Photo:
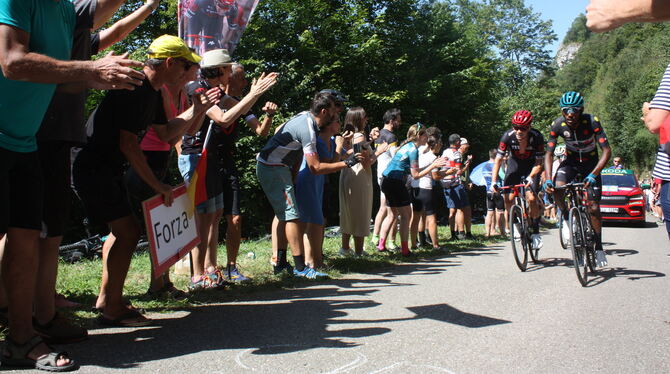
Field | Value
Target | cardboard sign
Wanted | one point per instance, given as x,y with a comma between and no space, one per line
171,233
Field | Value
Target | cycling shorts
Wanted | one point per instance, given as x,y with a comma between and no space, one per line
422,201
396,193
494,201
21,190
569,169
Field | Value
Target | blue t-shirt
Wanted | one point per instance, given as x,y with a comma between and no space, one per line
406,158
51,26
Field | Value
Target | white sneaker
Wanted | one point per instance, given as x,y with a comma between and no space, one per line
601,259
517,231
345,252
536,241
565,232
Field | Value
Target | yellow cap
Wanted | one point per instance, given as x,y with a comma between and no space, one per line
171,46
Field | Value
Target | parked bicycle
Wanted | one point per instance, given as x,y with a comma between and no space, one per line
89,248
519,228
582,239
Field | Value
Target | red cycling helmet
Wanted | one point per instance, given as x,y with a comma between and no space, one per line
522,118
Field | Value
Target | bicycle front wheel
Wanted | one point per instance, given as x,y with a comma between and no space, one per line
563,240
578,245
518,237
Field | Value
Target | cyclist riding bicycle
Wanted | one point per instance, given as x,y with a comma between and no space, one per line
526,147
581,132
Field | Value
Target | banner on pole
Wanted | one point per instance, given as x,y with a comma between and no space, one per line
214,24
171,232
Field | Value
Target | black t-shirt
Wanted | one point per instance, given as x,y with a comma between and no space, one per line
227,139
133,111
192,144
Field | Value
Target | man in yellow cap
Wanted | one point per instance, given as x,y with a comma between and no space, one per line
113,131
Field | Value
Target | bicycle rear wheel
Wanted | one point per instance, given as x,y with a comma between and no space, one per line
518,237
578,245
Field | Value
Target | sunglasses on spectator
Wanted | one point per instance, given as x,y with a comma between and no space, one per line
572,110
187,64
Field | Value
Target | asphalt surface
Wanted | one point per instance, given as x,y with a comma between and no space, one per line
468,312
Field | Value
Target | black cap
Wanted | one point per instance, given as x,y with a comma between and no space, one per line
454,138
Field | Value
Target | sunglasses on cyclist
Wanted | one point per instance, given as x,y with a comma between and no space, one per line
520,128
572,110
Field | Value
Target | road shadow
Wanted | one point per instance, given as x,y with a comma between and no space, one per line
449,314
605,275
621,252
548,263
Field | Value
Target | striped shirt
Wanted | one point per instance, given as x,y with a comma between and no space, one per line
662,101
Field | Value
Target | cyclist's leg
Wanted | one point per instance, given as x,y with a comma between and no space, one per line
564,175
594,193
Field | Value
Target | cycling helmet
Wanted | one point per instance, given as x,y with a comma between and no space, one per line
572,99
559,151
523,118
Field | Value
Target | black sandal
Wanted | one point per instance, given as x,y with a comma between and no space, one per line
16,355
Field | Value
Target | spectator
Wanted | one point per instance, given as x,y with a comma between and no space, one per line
455,194
215,69
226,142
392,121
114,128
32,59
282,153
495,205
404,163
63,127
617,164
309,194
604,15
467,210
422,191
158,153
356,187
656,117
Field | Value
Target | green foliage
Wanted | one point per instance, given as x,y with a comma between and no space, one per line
578,32
618,71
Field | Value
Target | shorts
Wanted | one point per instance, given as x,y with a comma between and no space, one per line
456,197
21,191
277,183
494,201
518,171
396,193
569,169
55,169
187,164
101,189
422,201
137,189
231,194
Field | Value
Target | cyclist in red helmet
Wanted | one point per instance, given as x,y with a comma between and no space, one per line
526,152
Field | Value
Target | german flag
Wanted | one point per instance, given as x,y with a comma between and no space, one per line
197,186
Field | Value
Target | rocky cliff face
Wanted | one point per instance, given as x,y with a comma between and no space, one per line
566,52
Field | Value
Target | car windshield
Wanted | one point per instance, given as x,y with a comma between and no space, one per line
621,180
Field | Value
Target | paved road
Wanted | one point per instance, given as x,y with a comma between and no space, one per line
470,312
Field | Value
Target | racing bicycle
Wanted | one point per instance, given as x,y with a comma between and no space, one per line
520,233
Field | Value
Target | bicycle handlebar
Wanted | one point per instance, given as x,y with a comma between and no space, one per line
570,185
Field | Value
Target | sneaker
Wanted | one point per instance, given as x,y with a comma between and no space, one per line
232,274
601,259
361,255
565,232
536,241
469,236
374,240
278,269
460,236
391,246
205,282
309,273
345,252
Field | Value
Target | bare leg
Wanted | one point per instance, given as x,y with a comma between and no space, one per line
211,255
345,241
489,222
20,262
199,254
106,247
359,243
294,237
414,228
381,215
431,222
467,219
45,292
233,237
275,236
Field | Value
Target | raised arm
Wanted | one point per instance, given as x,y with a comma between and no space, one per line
604,15
258,87
121,28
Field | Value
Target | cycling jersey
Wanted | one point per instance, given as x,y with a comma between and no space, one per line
405,159
296,137
580,143
534,148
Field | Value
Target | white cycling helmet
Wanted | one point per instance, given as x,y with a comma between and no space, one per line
559,151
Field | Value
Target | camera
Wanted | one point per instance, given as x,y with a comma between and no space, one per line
358,147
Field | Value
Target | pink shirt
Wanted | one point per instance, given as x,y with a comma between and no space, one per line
151,141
